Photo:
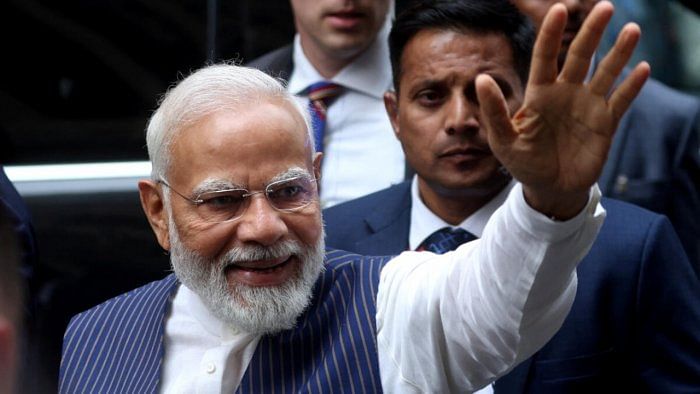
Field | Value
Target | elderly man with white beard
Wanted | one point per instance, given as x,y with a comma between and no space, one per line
257,305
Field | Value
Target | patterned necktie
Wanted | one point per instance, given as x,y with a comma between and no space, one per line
321,96
445,239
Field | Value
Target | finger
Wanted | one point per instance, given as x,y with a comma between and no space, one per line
578,59
493,111
623,96
612,64
543,68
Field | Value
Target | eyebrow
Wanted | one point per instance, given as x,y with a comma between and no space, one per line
214,185
290,173
426,83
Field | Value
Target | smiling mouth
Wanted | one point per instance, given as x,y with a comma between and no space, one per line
267,266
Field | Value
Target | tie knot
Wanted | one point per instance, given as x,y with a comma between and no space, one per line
446,239
324,91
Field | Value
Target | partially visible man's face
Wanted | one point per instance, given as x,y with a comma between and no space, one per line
255,272
578,11
339,29
436,117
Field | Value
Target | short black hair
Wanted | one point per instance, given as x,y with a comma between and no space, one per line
480,16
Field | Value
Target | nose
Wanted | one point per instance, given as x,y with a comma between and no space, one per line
260,223
461,115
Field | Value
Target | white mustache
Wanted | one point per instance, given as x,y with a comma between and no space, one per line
243,254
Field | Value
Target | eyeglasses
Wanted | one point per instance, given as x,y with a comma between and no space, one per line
286,195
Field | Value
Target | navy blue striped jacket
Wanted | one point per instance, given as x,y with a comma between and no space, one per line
117,347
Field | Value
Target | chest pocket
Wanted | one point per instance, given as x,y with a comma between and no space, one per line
650,194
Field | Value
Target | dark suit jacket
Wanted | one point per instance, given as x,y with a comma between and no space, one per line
654,161
278,63
635,323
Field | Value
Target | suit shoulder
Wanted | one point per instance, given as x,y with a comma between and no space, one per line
659,98
343,263
277,63
338,259
117,345
636,218
354,210
350,221
629,231
149,293
631,241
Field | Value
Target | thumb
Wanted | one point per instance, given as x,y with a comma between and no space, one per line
494,111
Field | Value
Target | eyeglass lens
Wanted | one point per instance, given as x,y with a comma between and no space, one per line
286,195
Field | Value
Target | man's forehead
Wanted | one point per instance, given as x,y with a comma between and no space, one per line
245,121
238,148
432,52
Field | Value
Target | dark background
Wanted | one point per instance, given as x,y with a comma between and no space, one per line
78,81
80,77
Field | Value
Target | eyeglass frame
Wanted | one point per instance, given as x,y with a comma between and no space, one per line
248,193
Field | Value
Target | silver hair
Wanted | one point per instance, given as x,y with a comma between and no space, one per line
210,89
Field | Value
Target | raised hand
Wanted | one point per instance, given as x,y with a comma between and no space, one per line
557,142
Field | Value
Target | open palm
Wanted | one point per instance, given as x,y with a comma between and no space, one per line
556,144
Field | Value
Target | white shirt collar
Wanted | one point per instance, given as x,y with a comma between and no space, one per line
199,312
424,222
370,73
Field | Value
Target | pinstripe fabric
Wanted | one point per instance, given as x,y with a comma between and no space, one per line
334,347
117,347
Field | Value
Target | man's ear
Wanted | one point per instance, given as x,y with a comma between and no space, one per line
391,103
154,208
318,156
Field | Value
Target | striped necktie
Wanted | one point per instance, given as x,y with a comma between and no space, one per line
321,96
445,240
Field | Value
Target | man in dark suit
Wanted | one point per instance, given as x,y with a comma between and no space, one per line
635,323
257,305
655,158
338,65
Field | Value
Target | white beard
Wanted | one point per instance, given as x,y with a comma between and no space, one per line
256,310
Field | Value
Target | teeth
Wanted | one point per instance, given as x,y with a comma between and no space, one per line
260,269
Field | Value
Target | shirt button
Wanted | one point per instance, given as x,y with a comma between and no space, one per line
211,368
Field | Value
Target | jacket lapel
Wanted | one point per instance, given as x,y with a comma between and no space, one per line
151,338
388,222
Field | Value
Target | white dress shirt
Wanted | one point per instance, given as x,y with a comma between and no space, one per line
424,222
445,323
361,153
